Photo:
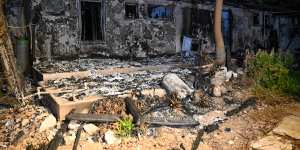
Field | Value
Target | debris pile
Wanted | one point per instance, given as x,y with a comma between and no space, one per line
116,84
33,123
85,64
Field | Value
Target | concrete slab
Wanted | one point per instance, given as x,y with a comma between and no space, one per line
272,143
60,107
289,126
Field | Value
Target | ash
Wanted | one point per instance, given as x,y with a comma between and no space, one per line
85,64
115,84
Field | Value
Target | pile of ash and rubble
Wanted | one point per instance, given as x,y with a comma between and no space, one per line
192,98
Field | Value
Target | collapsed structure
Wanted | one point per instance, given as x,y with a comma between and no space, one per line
75,46
144,28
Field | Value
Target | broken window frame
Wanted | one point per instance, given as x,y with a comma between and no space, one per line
136,16
103,21
170,18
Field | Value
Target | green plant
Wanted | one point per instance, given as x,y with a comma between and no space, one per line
273,72
125,127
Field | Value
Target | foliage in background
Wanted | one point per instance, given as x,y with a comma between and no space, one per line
273,75
125,127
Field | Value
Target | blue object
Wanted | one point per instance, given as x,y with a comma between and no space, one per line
186,47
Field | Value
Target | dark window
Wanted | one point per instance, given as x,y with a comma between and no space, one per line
91,21
256,21
131,11
160,12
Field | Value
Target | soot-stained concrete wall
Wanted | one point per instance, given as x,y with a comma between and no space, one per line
58,29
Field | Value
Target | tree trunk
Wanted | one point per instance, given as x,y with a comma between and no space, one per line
7,56
220,48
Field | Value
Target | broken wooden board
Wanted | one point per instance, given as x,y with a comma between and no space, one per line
60,107
105,72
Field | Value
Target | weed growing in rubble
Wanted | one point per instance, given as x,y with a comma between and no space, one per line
125,127
272,74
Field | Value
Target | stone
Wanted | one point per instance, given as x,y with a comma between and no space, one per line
173,84
289,126
217,91
110,138
69,137
48,123
231,142
272,143
90,129
51,134
73,125
24,122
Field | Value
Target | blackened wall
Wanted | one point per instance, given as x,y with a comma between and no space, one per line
56,26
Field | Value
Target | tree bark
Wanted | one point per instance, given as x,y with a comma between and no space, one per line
7,56
220,48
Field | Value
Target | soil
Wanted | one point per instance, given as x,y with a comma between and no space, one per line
235,133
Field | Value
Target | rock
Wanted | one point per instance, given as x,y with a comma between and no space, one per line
173,84
48,123
231,142
217,91
272,143
24,122
110,138
228,75
73,125
70,137
227,129
289,126
51,134
90,129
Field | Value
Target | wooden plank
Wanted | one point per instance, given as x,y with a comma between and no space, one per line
61,107
99,118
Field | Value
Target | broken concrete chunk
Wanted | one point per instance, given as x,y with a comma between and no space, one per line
173,84
24,122
217,91
90,129
48,123
73,125
70,137
289,126
271,143
110,138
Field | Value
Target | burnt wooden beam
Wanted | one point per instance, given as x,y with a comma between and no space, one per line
133,110
97,118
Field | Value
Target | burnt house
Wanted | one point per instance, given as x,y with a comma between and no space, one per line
142,28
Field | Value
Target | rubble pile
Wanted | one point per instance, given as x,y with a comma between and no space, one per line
115,84
85,64
184,103
29,122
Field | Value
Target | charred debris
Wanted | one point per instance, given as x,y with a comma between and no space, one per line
87,67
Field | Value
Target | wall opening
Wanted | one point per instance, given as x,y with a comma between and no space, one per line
160,12
256,20
131,11
91,21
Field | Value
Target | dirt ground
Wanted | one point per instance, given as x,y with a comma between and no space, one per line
236,133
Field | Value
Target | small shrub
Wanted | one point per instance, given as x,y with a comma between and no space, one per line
273,72
125,127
